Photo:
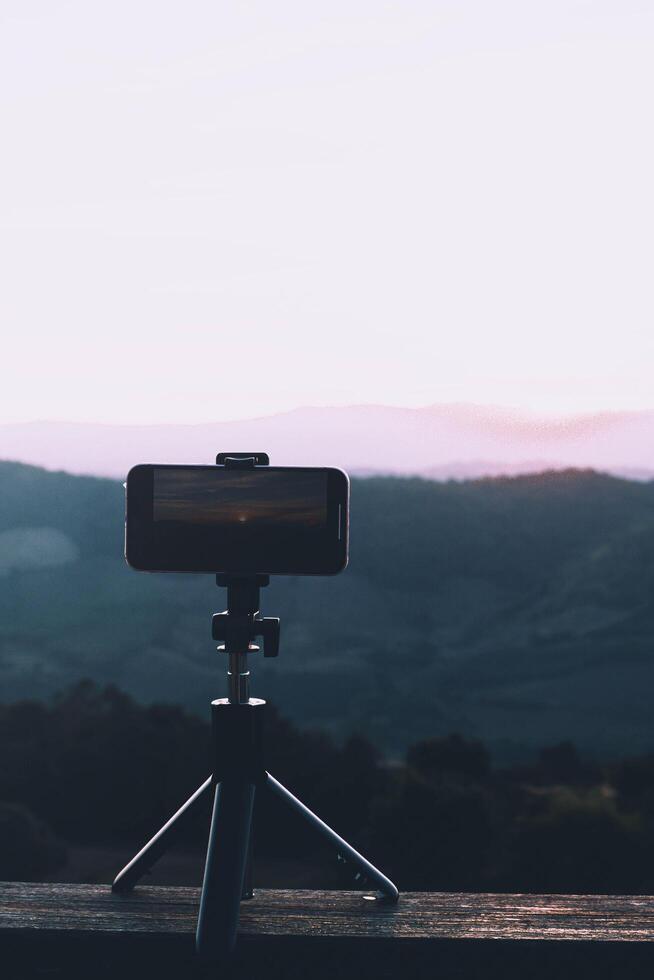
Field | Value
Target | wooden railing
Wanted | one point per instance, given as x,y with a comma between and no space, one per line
52,930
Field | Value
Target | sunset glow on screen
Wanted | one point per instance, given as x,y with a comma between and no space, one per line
249,499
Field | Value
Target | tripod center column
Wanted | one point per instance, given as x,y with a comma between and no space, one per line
238,676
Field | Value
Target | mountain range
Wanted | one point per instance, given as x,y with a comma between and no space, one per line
518,610
441,442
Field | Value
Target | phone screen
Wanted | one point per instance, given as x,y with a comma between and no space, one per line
276,520
291,498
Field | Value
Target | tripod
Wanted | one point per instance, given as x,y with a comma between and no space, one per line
238,774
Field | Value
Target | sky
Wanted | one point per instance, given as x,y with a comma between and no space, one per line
218,210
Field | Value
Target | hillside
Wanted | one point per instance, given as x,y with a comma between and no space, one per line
516,610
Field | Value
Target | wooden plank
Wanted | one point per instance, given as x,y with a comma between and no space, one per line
75,931
424,916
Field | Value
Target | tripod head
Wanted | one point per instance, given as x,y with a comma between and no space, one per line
241,623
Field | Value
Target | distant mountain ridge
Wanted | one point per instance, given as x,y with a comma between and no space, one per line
440,442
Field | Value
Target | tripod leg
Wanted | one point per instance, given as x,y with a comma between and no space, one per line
248,878
224,873
158,845
346,851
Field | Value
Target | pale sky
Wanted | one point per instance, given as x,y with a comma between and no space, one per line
214,210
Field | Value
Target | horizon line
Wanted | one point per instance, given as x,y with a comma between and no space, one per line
510,412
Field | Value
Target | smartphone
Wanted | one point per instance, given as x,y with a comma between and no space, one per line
277,520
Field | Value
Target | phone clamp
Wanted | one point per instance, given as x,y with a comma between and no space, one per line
238,773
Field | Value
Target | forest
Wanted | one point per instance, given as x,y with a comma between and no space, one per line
515,611
93,768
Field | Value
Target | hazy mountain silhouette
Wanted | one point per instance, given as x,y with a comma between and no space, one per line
516,610
441,441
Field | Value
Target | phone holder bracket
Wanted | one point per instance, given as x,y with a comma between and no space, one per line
242,461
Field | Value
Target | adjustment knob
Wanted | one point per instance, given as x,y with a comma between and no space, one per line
268,630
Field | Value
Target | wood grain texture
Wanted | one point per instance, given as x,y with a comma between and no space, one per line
419,916
72,932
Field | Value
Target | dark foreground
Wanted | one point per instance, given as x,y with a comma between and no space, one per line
75,930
